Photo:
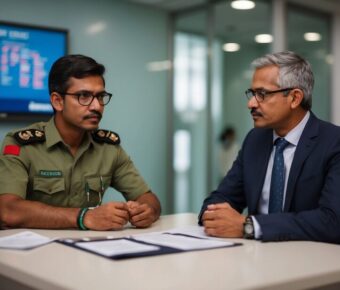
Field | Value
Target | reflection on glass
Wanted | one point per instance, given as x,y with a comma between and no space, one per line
190,73
231,71
182,151
190,117
231,50
182,164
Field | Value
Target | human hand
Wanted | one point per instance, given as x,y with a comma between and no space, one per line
109,216
142,215
221,220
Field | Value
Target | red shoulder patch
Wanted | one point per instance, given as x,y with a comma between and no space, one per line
12,150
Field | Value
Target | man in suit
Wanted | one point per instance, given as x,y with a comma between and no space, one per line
287,172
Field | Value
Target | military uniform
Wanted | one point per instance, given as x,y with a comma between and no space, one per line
36,164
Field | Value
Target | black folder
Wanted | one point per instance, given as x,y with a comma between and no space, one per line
81,244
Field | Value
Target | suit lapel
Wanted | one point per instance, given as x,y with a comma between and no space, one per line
261,164
305,146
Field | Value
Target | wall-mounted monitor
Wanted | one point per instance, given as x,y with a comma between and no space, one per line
26,55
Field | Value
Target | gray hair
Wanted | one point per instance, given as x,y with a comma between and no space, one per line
294,72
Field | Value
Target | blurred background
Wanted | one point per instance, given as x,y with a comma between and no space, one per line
178,70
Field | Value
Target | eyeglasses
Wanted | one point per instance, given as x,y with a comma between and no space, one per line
86,98
262,93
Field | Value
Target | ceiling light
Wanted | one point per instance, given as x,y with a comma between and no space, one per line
312,36
264,38
159,65
96,27
242,4
231,47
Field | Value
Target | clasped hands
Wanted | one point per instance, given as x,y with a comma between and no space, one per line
114,215
221,220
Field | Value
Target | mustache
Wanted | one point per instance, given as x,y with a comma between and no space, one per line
254,112
93,114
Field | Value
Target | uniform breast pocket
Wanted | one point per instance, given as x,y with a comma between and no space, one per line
96,186
49,186
98,183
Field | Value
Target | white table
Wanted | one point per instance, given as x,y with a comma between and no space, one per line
254,265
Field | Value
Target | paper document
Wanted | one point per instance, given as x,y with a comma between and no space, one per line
181,242
116,247
23,241
173,241
195,231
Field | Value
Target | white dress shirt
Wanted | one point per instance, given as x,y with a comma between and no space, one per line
293,138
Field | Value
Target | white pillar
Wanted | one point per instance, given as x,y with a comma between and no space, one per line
335,82
279,25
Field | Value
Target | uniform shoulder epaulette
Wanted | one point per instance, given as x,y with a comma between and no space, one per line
29,136
105,136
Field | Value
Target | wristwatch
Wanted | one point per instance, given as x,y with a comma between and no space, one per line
248,228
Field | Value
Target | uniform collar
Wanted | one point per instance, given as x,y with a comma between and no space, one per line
53,137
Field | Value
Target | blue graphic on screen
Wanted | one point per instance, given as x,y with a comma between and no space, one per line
26,56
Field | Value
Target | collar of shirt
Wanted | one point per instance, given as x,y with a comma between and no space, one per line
294,135
53,137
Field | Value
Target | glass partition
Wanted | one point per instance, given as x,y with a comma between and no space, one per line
309,34
190,111
235,45
214,46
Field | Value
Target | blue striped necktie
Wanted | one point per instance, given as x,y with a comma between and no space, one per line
277,183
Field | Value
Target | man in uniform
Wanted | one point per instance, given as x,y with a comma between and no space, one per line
53,174
287,172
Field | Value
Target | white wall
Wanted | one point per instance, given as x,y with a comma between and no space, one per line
133,36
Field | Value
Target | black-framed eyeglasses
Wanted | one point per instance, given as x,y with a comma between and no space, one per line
86,98
260,94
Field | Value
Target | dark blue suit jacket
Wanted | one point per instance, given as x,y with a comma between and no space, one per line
312,203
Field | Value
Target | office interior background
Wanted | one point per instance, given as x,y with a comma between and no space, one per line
178,70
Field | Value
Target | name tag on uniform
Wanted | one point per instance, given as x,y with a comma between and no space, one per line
50,173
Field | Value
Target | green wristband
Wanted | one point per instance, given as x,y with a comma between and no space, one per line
80,219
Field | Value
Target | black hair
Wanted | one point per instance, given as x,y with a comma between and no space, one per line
227,132
76,66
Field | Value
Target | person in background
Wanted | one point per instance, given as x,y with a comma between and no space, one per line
287,172
228,150
54,174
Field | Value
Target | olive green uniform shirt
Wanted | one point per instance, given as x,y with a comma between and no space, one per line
47,172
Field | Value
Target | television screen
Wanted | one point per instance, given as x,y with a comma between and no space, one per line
26,56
